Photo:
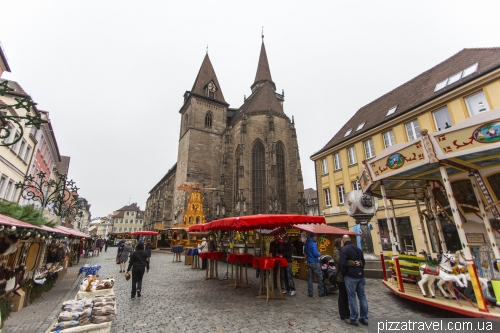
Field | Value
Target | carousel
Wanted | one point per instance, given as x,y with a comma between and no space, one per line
452,175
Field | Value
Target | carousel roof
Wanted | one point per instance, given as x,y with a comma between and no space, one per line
407,168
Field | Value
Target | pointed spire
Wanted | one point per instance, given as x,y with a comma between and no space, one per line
263,70
204,77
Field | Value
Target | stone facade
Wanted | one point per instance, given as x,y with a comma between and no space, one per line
244,161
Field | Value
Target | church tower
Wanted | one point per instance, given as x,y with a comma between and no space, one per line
203,120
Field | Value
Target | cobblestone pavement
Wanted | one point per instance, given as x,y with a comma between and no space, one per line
176,298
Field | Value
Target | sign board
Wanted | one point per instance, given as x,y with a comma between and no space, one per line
475,238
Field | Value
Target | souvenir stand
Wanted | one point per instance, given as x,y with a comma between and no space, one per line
259,222
451,175
326,237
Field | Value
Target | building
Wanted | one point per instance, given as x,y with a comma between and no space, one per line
17,141
458,88
311,197
241,161
127,219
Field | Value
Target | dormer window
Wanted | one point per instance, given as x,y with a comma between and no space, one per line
348,132
360,126
210,89
391,110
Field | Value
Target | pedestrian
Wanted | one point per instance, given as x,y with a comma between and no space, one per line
101,244
313,265
80,252
149,248
97,245
275,251
139,260
343,302
106,244
127,249
121,245
355,281
203,247
286,273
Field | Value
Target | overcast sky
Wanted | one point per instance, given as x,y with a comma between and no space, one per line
112,73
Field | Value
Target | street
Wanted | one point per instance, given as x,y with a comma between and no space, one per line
176,298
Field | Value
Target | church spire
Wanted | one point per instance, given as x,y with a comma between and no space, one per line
206,83
263,70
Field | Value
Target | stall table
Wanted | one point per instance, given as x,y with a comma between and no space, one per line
238,262
212,257
177,250
266,265
194,252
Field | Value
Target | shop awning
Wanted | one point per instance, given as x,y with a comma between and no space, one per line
49,229
262,221
12,222
72,232
145,232
323,229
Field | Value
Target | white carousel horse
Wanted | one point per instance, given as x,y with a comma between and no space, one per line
463,272
443,272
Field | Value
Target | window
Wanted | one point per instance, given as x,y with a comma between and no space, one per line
356,185
456,77
280,170
258,178
412,130
405,234
21,149
211,89
3,179
477,103
126,221
391,110
127,213
388,138
336,161
348,132
369,150
360,126
16,137
341,193
341,225
14,194
8,189
442,118
351,153
208,120
470,70
385,236
328,200
324,166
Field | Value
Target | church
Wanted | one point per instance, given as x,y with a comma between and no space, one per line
231,161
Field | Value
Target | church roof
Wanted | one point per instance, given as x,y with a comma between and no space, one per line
262,100
204,77
418,91
263,70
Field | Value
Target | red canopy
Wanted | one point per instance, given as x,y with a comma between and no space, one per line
262,221
12,222
153,233
196,227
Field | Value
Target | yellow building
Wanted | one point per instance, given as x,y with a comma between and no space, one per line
450,92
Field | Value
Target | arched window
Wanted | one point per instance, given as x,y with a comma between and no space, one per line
191,220
258,178
208,119
280,174
237,166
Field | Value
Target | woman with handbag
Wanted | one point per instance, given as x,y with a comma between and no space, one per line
124,256
139,262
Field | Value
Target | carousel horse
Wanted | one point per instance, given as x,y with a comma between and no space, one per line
463,272
443,272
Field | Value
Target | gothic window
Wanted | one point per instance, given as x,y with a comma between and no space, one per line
208,119
210,89
280,168
258,178
237,178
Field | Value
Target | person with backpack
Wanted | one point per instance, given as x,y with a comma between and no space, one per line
139,262
121,245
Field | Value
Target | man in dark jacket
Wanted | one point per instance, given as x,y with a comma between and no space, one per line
275,250
140,261
286,273
149,248
355,281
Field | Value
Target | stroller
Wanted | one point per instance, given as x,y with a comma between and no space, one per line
329,276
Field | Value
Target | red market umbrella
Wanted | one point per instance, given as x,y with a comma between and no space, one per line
262,221
196,227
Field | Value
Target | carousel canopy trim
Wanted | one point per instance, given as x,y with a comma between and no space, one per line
262,221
